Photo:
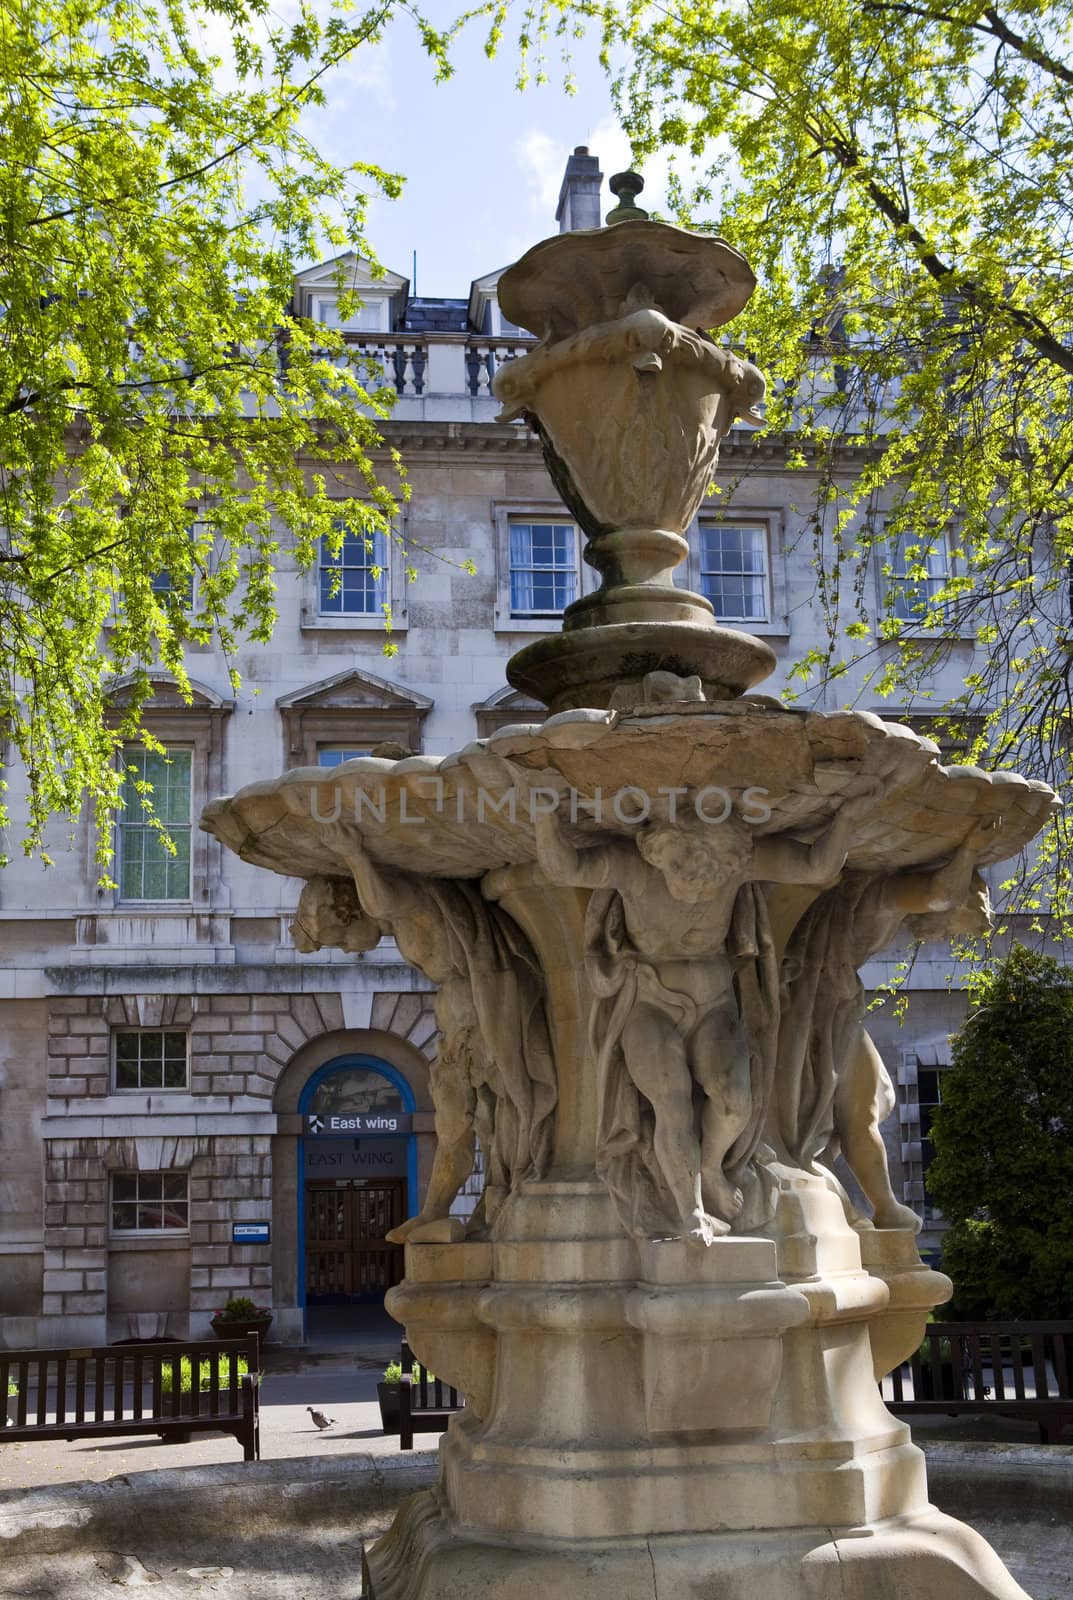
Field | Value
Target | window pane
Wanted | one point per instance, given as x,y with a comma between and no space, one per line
161,1203
350,575
152,1073
154,880
327,756
178,866
329,599
130,876
543,567
918,571
733,564
150,1059
356,1089
928,1085
520,544
147,871
155,770
164,584
173,804
126,1074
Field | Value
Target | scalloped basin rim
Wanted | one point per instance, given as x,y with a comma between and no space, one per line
425,815
702,281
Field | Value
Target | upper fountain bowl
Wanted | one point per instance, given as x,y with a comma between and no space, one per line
577,280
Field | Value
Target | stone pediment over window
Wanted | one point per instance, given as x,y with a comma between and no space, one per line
504,708
167,698
351,712
195,727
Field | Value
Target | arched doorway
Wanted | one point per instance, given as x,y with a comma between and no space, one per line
358,1170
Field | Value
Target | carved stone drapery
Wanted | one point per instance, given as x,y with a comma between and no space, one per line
668,1327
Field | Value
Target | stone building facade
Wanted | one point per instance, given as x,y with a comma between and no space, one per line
165,1051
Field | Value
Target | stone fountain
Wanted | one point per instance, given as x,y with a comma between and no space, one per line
645,919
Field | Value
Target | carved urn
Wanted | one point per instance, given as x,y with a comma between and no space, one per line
630,399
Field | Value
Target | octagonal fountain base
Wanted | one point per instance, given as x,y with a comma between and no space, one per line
927,1556
655,1418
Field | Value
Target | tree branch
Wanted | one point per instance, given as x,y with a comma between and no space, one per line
998,29
1034,330
296,97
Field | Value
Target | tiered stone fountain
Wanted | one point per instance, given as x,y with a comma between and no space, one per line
645,918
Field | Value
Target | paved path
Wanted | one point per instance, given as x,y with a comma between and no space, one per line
245,1552
344,1387
341,1384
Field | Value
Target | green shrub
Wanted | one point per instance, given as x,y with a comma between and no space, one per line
393,1373
241,1309
186,1376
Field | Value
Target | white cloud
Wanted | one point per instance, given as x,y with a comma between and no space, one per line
608,143
542,161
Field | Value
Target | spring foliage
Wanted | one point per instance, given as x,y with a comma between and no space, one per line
1003,1167
166,420
899,173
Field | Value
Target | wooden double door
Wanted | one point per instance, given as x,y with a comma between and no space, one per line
347,1255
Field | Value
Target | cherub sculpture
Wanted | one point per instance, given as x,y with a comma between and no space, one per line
833,1091
493,1078
675,911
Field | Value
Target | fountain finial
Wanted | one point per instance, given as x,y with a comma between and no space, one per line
630,402
626,186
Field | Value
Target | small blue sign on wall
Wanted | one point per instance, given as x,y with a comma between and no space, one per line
249,1233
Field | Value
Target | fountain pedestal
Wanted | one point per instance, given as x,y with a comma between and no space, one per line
664,1418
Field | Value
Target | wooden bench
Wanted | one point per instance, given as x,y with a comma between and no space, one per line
1007,1369
120,1389
426,1404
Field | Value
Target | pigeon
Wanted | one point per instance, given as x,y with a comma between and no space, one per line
320,1419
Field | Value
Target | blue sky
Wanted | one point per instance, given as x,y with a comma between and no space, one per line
483,161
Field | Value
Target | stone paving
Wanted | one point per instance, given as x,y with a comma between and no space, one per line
294,1532
340,1383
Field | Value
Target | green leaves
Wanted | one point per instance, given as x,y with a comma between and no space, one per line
160,398
1003,1136
899,173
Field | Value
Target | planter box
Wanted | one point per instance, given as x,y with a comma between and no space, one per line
388,1396
241,1330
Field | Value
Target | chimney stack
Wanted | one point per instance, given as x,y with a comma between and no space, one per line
579,197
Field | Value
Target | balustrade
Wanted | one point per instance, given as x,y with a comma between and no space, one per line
465,366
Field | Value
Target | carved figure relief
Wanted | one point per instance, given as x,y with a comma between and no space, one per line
494,1076
832,1090
683,1027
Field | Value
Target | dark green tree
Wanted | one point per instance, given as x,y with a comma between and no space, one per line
1003,1136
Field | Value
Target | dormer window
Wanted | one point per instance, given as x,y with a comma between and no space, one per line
367,318
380,296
